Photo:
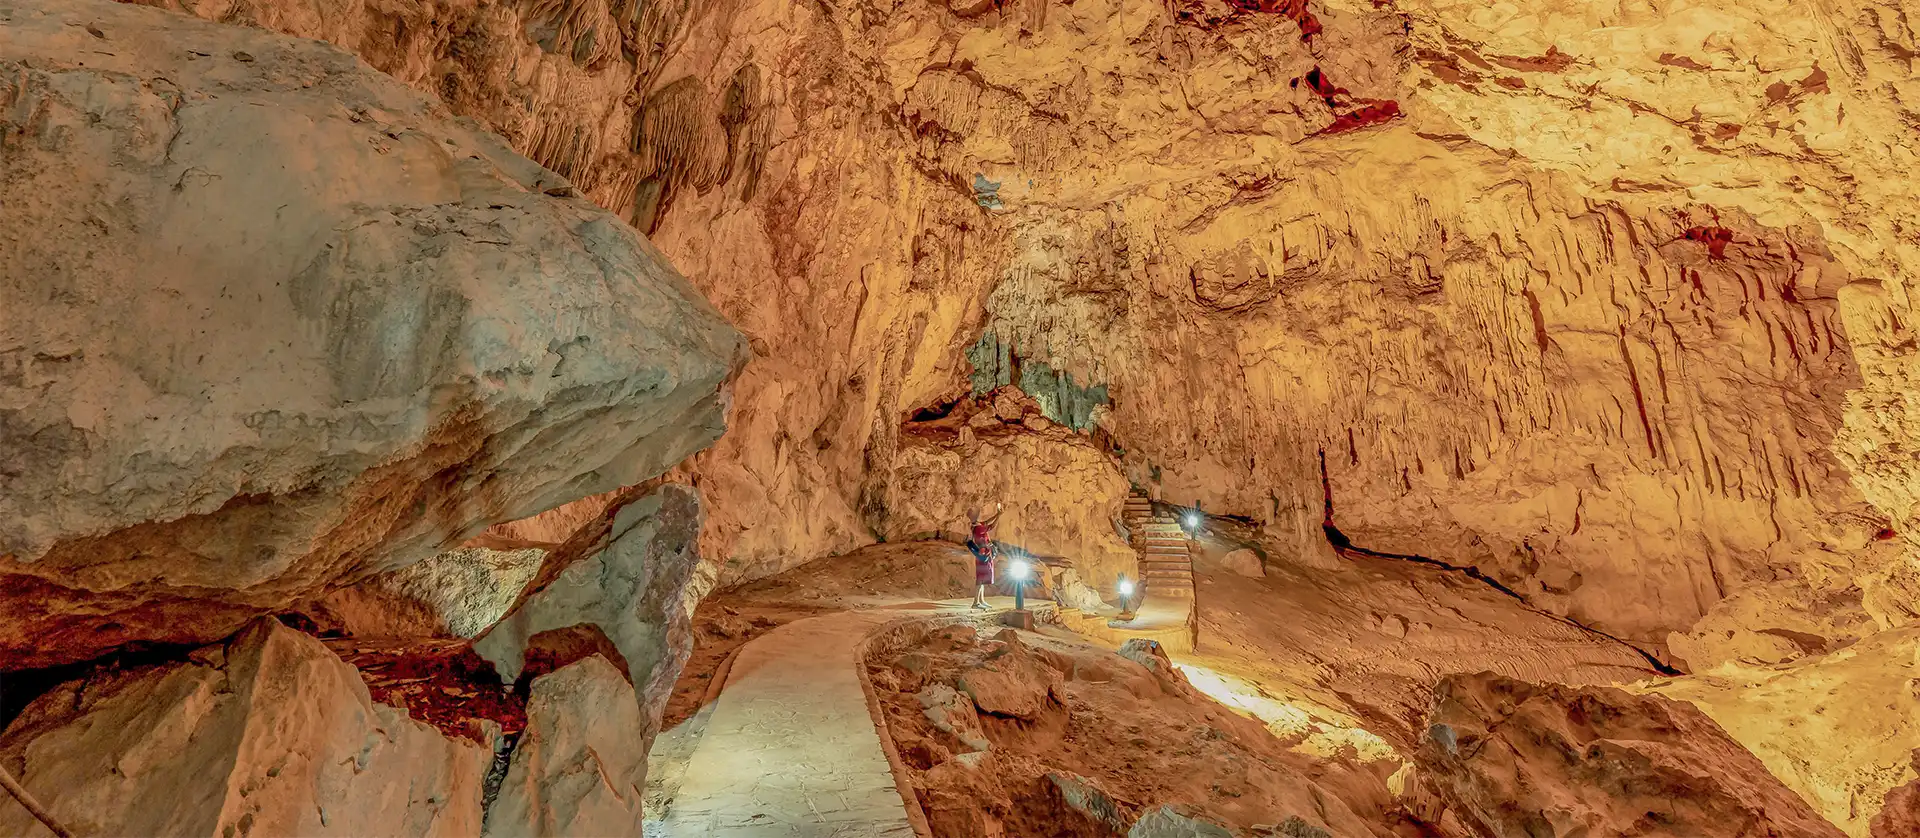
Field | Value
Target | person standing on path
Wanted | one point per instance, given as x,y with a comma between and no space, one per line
980,541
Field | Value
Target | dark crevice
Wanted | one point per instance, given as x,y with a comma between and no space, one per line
496,775
940,409
20,687
1344,545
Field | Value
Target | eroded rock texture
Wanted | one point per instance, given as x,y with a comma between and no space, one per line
622,585
1060,493
275,322
267,734
1608,302
1838,728
1512,758
578,769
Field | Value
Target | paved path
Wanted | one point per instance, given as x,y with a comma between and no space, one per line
790,750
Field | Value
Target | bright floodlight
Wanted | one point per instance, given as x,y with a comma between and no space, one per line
1019,569
1193,519
1126,587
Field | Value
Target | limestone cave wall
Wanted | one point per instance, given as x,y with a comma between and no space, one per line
1608,301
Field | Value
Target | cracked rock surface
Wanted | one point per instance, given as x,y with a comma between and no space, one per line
275,322
1609,303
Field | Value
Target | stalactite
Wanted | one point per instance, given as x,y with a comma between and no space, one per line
746,114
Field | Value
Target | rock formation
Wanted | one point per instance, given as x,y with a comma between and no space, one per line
631,589
1061,493
1244,562
576,770
291,324
1838,728
1603,309
1513,758
268,734
1646,380
1900,812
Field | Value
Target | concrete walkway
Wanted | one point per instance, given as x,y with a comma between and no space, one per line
790,749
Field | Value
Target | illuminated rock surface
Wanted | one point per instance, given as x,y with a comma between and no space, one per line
1519,759
268,734
1618,318
1601,310
275,322
1838,728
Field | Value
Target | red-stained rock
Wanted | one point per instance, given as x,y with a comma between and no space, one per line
1899,815
268,734
1715,238
1015,682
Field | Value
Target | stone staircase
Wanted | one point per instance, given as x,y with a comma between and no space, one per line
1164,610
1166,555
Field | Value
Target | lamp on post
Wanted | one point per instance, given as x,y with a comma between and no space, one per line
1019,570
1125,588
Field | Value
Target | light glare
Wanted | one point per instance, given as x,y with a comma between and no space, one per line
1019,569
1126,587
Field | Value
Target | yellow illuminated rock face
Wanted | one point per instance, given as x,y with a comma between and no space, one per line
1839,729
1608,300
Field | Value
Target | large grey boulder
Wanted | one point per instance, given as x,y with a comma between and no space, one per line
268,734
632,590
271,322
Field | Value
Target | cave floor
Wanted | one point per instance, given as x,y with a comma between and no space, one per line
1337,663
788,746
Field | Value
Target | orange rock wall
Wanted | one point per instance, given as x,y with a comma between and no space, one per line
1608,303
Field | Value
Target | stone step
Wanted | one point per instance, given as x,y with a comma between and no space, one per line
1166,540
1175,550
